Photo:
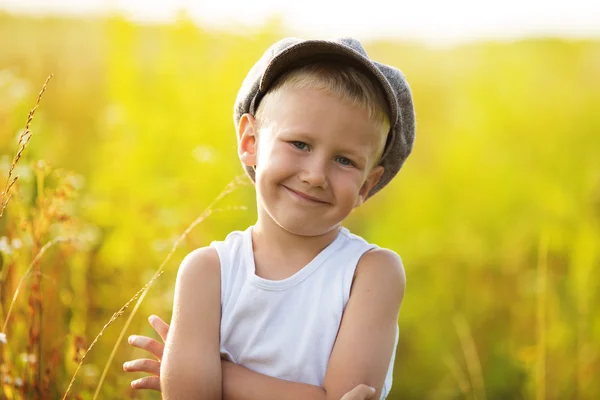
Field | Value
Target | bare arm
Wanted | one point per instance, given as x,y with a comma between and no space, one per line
363,348
191,365
240,383
365,341
360,356
229,372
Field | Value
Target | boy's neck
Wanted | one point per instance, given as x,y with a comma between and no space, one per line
278,253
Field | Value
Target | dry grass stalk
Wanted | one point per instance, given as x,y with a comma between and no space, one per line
34,298
542,267
35,260
23,140
110,321
459,376
471,358
198,220
237,182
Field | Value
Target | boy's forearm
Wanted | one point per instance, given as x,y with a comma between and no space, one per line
240,383
190,381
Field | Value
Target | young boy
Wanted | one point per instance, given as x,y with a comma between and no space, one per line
297,307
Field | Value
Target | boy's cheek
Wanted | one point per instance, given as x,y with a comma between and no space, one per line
282,157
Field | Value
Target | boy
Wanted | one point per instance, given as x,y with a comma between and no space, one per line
296,306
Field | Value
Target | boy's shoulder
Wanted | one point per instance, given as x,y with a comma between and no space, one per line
209,257
200,263
382,268
206,254
378,263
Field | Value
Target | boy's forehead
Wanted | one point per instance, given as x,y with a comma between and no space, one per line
312,99
313,114
306,103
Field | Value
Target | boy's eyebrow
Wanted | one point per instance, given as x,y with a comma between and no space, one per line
297,132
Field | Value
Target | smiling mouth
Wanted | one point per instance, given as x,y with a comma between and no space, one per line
305,196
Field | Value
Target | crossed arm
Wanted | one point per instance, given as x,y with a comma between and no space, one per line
156,349
360,356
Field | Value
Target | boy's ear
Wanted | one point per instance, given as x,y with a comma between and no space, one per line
247,140
374,177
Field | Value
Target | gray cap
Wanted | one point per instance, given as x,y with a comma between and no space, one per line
291,53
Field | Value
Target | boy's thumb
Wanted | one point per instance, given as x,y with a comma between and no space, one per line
360,392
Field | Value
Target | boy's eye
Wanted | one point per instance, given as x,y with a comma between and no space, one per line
344,161
300,145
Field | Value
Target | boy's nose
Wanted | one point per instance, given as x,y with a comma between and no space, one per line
314,173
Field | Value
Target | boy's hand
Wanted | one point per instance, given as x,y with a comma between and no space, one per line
147,365
361,392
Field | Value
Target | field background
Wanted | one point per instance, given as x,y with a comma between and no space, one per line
496,214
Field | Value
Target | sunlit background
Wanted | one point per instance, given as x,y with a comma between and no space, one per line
496,214
431,21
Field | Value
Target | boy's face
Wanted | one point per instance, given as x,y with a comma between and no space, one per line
314,158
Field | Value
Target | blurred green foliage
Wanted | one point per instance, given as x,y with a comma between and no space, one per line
496,214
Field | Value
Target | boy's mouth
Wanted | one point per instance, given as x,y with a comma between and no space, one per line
305,196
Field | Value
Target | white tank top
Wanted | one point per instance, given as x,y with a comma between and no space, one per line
287,328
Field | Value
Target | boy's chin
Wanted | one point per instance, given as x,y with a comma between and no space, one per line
300,228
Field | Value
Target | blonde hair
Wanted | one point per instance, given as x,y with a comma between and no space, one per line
344,81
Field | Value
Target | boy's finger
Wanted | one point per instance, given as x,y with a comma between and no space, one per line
147,382
360,392
142,365
150,345
160,326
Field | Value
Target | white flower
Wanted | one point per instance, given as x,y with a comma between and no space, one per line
17,243
28,358
18,382
5,246
2,338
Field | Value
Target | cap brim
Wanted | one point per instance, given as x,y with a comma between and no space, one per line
315,50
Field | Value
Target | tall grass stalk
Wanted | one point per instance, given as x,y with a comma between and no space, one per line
458,374
34,298
158,272
237,182
471,358
110,321
28,271
542,283
23,141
